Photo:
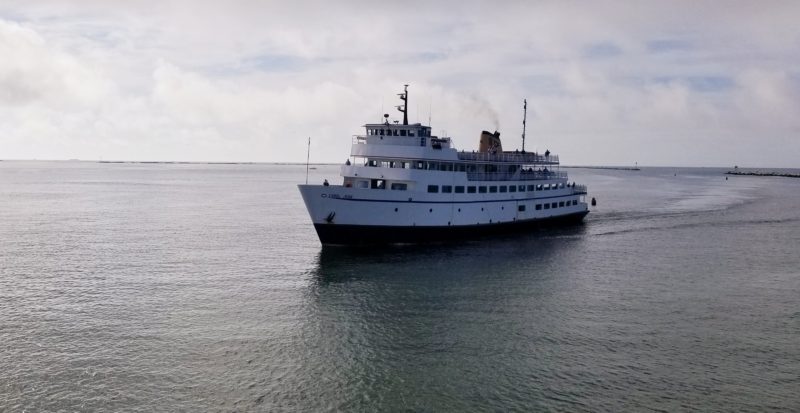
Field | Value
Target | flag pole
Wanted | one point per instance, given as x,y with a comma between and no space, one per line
308,156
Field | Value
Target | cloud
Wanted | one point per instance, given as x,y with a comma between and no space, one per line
31,72
246,80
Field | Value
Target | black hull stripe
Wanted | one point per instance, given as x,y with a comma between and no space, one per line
453,201
337,234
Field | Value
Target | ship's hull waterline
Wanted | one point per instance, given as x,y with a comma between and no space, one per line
353,235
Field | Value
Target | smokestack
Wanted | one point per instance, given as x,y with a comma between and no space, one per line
490,142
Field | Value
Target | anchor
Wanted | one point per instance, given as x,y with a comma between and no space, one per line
329,218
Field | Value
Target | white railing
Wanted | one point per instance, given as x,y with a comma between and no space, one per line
513,176
511,157
541,174
401,140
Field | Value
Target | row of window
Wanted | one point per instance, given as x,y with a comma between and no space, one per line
554,205
399,132
450,166
424,165
492,189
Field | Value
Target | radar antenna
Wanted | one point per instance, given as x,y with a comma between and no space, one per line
404,107
524,121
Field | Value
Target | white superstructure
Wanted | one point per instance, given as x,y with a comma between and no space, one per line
402,184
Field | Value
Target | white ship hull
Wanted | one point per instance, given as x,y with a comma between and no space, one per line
344,216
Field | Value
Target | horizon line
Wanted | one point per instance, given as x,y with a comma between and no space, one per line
176,162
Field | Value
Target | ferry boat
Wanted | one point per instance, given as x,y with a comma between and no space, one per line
402,184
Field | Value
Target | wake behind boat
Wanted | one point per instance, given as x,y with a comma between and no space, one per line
402,184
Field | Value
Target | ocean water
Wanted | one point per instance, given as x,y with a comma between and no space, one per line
190,287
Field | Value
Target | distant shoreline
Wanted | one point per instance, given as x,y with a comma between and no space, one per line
618,168
615,168
763,173
216,163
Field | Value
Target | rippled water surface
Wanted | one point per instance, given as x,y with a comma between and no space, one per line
154,287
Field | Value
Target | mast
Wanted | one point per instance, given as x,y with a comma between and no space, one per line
404,108
524,120
308,156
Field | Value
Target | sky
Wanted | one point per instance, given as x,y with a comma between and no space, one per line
662,83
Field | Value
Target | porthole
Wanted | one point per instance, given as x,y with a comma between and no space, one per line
395,210
430,210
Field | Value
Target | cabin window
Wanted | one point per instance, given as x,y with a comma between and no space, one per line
443,167
378,184
512,188
433,188
546,206
574,202
403,132
522,188
503,188
493,189
421,141
362,184
561,204
482,189
538,207
470,189
521,208
538,187
411,133
447,189
462,167
546,187
561,185
555,204
396,186
459,189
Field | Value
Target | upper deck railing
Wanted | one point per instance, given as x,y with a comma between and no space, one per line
579,189
515,176
402,140
525,158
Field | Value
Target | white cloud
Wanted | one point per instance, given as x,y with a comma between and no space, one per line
607,82
31,72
